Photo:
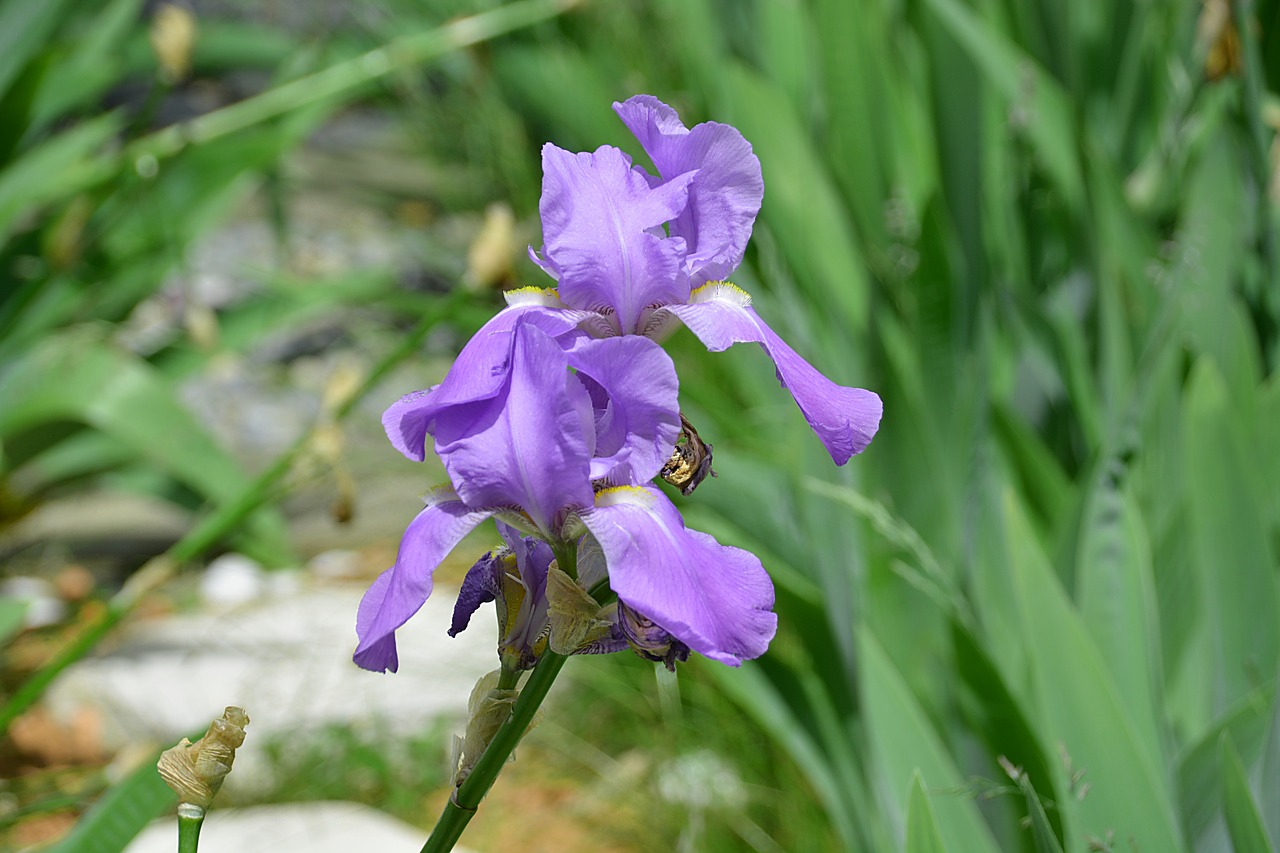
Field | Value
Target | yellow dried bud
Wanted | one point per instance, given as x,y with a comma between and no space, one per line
488,708
195,771
173,33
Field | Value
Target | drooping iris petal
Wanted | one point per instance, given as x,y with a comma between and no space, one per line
477,374
525,446
638,418
724,197
716,599
845,419
597,216
479,586
400,591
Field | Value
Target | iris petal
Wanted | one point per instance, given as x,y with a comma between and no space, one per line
477,374
524,446
401,590
598,219
716,599
639,419
845,419
724,196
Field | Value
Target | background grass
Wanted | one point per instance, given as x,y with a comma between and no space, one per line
1039,613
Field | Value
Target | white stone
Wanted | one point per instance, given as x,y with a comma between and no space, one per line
327,827
232,579
287,662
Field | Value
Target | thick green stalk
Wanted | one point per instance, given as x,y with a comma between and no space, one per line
466,799
209,531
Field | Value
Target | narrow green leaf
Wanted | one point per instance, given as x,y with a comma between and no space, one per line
24,30
78,377
121,813
1243,820
1030,93
1200,770
55,169
801,209
1229,541
905,743
1081,712
1116,595
923,835
757,697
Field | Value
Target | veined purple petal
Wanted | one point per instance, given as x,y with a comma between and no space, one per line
400,591
845,419
597,216
639,421
716,599
525,445
477,374
724,197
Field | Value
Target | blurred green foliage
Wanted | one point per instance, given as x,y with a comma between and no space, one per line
1041,611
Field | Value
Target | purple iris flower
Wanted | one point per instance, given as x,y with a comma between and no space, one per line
552,432
637,254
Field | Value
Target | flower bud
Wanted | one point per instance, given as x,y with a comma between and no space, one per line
195,771
173,33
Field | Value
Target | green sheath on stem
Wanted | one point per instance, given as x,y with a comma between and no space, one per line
190,818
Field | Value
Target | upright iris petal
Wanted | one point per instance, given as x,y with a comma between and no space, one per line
726,191
598,218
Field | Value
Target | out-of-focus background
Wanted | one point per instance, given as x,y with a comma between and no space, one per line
1039,613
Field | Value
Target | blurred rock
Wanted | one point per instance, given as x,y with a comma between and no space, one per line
232,579
44,605
331,827
287,661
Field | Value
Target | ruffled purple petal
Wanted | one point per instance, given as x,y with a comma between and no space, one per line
724,197
524,446
845,419
716,599
400,591
597,215
638,413
477,374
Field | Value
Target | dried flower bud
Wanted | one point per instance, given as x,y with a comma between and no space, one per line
574,615
195,771
487,709
690,462
173,33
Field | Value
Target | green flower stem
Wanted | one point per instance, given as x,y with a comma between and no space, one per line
466,799
190,819
214,527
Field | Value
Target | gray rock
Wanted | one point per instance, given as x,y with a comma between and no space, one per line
292,828
287,662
